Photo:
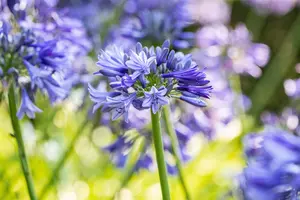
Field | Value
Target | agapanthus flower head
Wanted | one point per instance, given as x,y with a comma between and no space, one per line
154,24
231,49
69,32
31,63
148,78
278,7
273,170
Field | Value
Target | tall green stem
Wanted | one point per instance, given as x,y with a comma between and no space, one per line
63,160
160,158
175,146
21,148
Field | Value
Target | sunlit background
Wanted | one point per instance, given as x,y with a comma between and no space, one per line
66,155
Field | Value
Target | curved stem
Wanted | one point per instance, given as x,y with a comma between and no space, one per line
63,160
21,148
134,156
175,145
160,158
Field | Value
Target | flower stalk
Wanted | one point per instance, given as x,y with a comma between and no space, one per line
20,143
159,152
175,146
134,156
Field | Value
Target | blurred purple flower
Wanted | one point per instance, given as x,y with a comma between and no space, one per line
273,170
210,12
278,7
155,24
289,119
292,88
39,62
120,148
70,33
27,106
231,49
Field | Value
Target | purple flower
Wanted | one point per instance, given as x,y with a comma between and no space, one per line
123,82
154,99
141,65
279,7
193,99
292,88
273,170
117,149
139,120
119,105
27,106
289,119
37,64
165,73
44,79
69,32
99,97
112,61
158,23
231,49
210,12
50,56
162,53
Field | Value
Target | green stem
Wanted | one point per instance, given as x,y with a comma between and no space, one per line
160,158
21,148
63,160
175,146
255,24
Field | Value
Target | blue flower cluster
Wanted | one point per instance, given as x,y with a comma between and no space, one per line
231,49
147,78
156,21
33,64
273,170
39,55
140,121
